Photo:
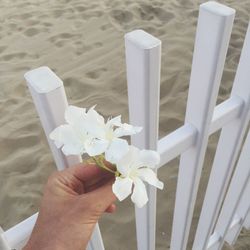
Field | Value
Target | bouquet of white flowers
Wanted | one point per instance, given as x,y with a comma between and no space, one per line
87,132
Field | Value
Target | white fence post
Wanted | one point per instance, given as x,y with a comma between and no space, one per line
212,39
227,151
50,100
143,55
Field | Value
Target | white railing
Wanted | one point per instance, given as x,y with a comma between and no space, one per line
226,207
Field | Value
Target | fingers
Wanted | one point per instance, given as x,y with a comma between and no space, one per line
79,179
97,186
102,198
87,172
94,184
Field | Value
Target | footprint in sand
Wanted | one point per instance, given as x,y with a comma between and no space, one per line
95,74
60,44
9,57
163,15
32,22
60,39
78,89
150,29
98,44
81,8
25,16
57,13
60,36
47,24
69,81
31,32
105,26
148,12
92,14
2,48
122,16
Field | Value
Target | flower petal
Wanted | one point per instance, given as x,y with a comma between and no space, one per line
122,187
62,134
127,162
66,136
150,177
94,124
95,146
73,114
94,115
55,135
116,121
139,196
149,158
126,129
73,149
116,150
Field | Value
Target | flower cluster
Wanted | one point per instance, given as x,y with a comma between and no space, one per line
87,132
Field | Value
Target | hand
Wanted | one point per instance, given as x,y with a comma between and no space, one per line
73,201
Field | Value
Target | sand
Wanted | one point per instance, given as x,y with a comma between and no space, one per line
82,41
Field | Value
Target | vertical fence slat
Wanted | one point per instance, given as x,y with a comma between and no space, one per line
236,189
212,39
50,100
226,154
143,53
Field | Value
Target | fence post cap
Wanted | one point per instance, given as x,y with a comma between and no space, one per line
142,39
217,8
43,79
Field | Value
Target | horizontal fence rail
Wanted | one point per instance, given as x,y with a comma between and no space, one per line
184,137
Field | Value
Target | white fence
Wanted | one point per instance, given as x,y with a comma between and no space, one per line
226,207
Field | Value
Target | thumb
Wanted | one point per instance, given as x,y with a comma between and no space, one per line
101,198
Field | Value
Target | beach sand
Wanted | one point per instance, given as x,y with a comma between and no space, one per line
82,41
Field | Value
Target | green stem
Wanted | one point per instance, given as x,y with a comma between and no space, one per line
102,165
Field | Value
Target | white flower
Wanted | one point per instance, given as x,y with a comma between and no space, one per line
135,167
107,134
71,136
87,132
